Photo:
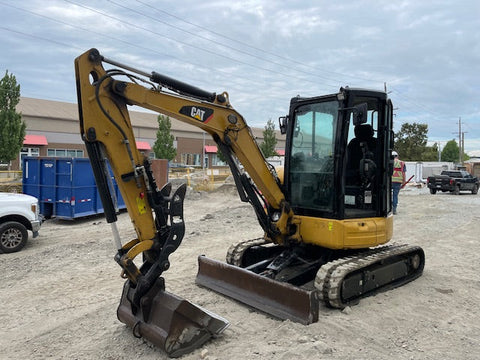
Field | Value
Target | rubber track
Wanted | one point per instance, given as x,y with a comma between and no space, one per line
330,276
236,251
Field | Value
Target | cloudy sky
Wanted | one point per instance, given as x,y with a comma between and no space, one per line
262,53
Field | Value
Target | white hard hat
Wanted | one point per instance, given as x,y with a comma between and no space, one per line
394,153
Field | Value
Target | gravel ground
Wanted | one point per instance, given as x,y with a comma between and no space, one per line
59,295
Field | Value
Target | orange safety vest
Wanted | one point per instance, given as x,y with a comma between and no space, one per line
398,167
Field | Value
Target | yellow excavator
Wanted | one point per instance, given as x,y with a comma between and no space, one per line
326,216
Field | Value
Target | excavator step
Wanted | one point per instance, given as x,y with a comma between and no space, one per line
173,324
281,300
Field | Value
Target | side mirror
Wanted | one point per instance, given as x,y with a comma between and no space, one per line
360,113
282,122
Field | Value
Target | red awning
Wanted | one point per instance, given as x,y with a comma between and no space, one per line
280,152
143,145
35,140
210,149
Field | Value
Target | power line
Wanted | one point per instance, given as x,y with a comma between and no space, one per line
250,46
415,105
106,36
231,39
191,45
37,37
82,49
175,40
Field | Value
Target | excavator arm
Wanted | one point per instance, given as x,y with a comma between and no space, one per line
168,321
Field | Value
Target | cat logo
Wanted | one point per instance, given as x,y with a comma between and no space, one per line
199,113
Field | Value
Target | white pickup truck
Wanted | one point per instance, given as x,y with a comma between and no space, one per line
18,214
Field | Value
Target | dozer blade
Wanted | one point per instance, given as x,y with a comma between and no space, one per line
173,324
281,300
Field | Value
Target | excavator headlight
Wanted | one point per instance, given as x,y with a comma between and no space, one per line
232,119
275,216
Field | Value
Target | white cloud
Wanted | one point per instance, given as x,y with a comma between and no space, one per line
428,53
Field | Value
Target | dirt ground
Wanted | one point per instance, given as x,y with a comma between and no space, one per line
59,295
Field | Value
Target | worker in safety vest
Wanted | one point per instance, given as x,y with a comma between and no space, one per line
398,179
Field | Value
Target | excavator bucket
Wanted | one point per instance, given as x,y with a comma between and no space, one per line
173,324
281,300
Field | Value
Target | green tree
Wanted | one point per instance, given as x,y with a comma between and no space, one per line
12,127
411,141
431,153
450,151
220,156
163,147
269,140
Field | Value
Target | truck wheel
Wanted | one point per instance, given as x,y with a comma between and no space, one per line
457,190
13,237
433,191
475,189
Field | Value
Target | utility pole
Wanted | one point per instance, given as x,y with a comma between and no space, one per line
461,141
463,144
460,155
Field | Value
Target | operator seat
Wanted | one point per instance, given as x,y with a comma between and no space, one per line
363,145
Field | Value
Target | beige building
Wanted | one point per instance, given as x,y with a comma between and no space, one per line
53,130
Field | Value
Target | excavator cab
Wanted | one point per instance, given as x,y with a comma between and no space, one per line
337,155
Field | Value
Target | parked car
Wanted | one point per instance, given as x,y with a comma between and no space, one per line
19,213
453,181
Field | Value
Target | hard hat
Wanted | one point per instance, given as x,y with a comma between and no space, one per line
394,153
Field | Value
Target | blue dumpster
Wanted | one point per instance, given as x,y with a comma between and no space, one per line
64,187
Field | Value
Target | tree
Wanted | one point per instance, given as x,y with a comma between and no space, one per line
431,153
163,147
450,151
411,142
220,156
269,140
12,127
